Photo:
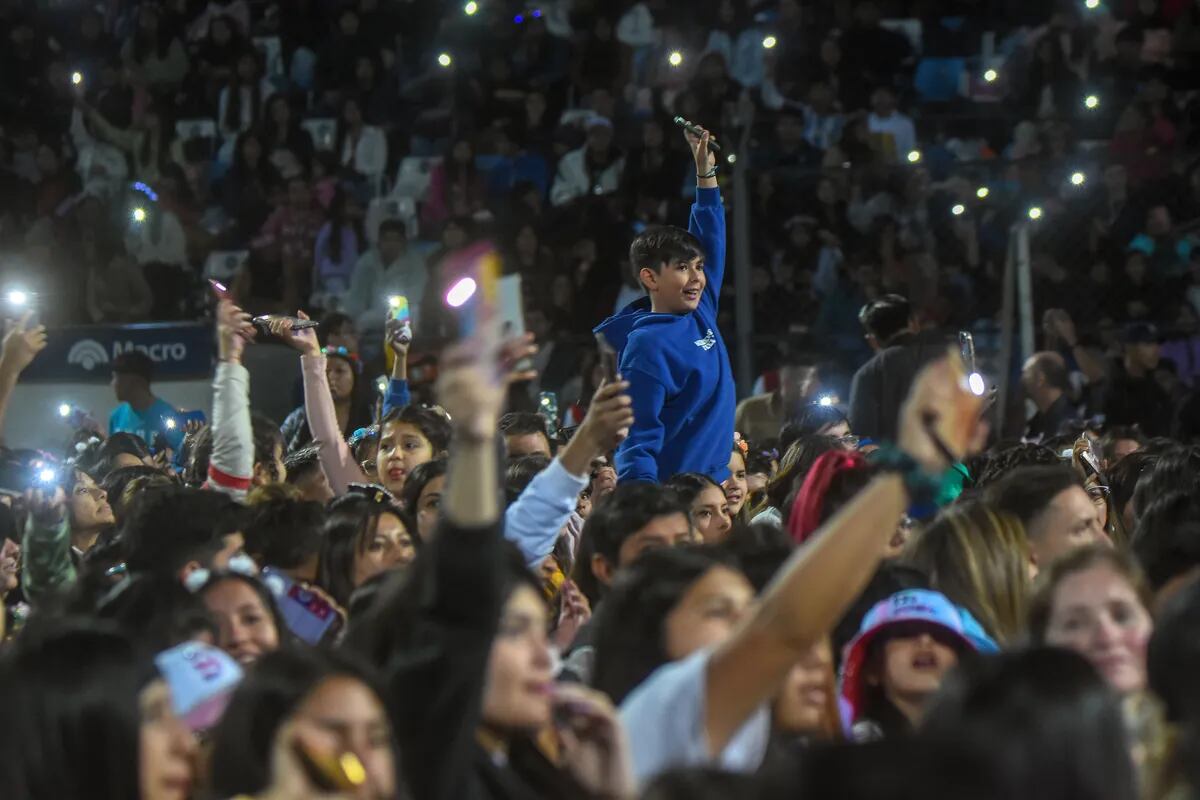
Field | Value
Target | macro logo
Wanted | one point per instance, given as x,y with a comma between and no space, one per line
87,353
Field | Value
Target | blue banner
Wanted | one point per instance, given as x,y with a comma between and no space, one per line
179,351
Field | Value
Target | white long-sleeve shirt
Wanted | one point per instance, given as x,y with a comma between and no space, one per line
573,180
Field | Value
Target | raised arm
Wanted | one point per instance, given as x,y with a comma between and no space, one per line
707,220
399,339
231,465
48,567
22,343
336,457
818,583
534,520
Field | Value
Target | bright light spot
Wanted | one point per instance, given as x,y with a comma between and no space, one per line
518,19
17,298
991,75
1091,4
537,12
1035,213
975,382
769,42
982,192
170,423
76,78
1091,101
64,410
826,400
444,59
914,156
1077,178
731,158
470,8
46,475
139,214
675,59
958,209
460,292
381,384
394,301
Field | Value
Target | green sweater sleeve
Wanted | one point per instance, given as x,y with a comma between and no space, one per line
47,556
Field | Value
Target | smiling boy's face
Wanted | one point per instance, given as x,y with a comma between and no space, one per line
676,288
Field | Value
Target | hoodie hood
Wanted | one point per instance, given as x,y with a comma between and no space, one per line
616,329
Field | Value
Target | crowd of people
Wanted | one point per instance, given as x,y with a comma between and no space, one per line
573,562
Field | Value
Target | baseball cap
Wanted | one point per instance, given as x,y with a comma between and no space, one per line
134,362
906,607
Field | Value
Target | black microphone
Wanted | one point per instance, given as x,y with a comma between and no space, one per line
694,129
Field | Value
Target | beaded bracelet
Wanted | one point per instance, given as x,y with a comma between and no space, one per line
921,486
712,173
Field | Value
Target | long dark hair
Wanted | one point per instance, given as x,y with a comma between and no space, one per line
630,642
1047,715
70,699
271,692
338,223
352,520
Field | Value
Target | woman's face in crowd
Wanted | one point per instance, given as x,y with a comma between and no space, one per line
429,504
914,665
710,513
837,430
756,481
388,546
89,505
516,695
402,448
165,747
341,378
735,485
707,612
245,627
10,565
804,700
350,719
1099,615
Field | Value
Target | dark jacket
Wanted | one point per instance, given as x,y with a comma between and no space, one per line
881,385
1047,424
435,672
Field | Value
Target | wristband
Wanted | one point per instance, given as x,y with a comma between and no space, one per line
921,486
712,173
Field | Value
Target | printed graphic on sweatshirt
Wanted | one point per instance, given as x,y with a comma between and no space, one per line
707,342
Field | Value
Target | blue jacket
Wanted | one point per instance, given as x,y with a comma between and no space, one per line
678,369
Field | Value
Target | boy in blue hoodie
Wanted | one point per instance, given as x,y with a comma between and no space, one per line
670,349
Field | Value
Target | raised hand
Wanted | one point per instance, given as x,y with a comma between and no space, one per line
398,336
706,161
609,417
303,340
234,329
22,343
941,414
47,507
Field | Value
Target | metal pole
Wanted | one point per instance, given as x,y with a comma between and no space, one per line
1006,331
1024,290
744,305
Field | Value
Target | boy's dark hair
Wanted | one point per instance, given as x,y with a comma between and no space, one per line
885,316
170,527
1001,462
1027,491
284,533
432,424
630,507
302,462
525,423
520,472
100,460
662,244
1114,434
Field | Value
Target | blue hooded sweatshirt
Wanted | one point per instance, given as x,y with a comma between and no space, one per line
678,370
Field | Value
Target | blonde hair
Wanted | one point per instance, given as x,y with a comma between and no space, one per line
978,556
